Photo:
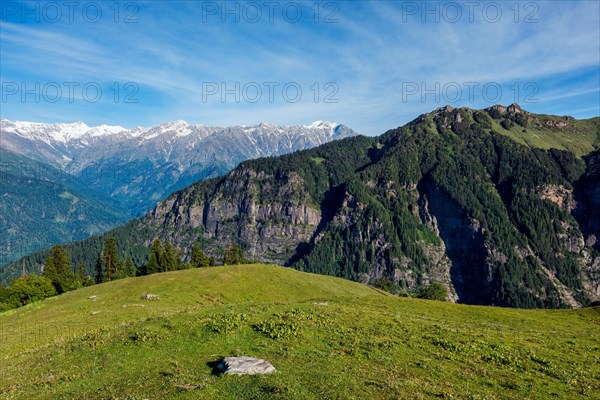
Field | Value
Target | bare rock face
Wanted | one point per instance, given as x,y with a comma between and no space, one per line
514,108
559,195
245,366
269,216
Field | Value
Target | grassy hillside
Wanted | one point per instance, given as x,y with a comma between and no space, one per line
328,338
544,132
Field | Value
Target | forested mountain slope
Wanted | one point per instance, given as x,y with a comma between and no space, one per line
450,197
41,205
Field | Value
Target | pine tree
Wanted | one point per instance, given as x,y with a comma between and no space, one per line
111,260
233,255
81,272
142,270
226,257
82,277
199,259
58,269
156,256
178,255
99,269
169,263
129,267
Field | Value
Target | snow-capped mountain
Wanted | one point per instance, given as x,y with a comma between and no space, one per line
140,166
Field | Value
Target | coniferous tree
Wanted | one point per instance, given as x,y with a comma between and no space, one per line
212,261
178,264
120,274
81,273
233,255
111,260
99,269
156,256
169,263
199,259
58,269
82,278
129,267
142,270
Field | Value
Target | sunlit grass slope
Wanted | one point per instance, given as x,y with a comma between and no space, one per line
328,338
580,137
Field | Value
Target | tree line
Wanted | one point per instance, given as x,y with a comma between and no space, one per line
60,275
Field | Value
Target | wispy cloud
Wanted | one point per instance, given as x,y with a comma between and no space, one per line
373,49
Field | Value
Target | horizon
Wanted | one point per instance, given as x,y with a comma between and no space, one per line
270,123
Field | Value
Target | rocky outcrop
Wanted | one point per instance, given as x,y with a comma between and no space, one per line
266,216
559,195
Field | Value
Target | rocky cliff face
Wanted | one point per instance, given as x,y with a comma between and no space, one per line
236,213
465,246
587,213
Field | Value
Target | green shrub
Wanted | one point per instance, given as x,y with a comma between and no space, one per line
434,291
388,285
25,290
507,124
278,328
286,325
225,322
144,335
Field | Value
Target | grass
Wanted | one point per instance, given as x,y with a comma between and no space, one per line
328,338
318,160
580,138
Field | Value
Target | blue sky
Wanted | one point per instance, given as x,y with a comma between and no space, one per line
370,65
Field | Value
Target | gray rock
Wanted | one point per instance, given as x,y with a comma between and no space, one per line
245,366
150,296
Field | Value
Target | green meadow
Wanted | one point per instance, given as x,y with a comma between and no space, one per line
328,338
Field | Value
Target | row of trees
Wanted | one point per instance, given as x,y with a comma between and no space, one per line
109,267
163,258
59,274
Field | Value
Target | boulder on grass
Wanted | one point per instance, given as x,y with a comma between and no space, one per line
245,366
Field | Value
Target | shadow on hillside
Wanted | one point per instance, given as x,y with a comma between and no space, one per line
332,201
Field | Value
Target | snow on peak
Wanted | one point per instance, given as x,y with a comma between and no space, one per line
173,124
321,124
67,133
57,132
105,130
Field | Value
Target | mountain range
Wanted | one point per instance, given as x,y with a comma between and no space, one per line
89,179
499,205
140,166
